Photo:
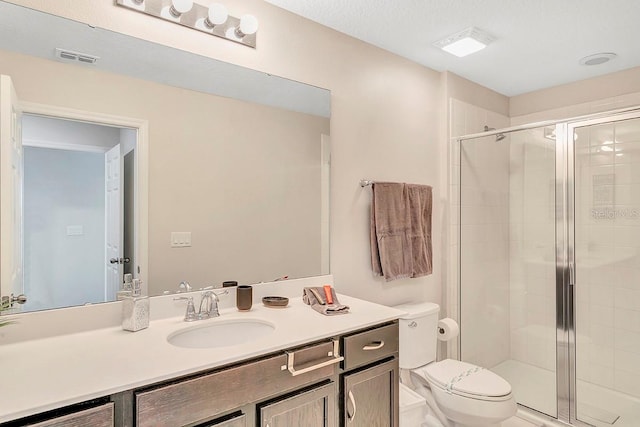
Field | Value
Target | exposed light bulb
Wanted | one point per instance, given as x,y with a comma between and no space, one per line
217,15
178,7
248,26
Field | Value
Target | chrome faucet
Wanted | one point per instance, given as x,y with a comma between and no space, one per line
191,314
184,286
208,305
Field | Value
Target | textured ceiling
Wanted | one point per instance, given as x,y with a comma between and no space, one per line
538,42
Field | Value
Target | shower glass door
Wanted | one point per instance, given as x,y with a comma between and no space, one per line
605,355
549,265
507,260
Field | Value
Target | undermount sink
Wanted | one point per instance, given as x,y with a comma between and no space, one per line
223,333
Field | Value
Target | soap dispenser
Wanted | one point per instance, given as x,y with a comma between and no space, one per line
127,288
135,309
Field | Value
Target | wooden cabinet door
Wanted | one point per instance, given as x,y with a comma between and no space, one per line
101,416
239,421
312,408
205,397
371,397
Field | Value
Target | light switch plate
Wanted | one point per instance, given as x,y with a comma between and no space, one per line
75,230
180,239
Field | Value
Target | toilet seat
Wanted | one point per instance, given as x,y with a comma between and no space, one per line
465,380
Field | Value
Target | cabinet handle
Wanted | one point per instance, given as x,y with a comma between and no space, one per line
375,345
352,415
333,360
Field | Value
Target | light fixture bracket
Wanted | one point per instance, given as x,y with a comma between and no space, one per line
194,18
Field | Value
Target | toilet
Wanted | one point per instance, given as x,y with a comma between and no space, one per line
458,394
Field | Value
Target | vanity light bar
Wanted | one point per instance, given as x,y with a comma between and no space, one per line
212,20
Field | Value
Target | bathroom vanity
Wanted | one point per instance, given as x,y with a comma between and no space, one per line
310,370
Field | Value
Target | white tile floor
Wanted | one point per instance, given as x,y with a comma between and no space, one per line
517,422
536,388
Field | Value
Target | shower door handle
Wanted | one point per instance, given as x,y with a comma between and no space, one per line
572,273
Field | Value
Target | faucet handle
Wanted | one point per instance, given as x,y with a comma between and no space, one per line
190,315
184,286
207,300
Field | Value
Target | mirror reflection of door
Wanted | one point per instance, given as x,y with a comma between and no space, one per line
11,263
113,176
78,177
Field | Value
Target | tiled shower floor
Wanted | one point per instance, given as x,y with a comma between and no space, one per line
536,388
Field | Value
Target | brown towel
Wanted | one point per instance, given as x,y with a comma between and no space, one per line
420,208
401,230
316,299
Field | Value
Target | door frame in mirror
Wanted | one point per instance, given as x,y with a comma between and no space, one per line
141,168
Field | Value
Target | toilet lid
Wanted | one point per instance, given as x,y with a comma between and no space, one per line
465,378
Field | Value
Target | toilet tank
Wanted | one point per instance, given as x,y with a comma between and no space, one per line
418,334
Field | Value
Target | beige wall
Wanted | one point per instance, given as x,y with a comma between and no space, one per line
250,195
485,99
603,93
386,121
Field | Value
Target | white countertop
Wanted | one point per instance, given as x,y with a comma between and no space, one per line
44,374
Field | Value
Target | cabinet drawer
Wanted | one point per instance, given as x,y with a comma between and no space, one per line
202,398
239,421
311,408
369,346
101,416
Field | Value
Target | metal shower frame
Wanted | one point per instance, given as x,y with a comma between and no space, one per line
565,249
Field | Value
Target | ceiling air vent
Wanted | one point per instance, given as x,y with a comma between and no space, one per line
69,55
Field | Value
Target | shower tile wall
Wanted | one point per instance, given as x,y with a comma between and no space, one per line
608,265
532,248
607,255
484,222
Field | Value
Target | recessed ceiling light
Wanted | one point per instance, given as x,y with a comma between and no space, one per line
597,58
465,42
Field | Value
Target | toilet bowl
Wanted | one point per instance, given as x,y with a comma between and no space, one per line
459,394
467,394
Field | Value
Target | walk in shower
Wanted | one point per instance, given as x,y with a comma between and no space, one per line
549,264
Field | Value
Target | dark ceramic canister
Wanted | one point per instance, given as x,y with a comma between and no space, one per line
244,297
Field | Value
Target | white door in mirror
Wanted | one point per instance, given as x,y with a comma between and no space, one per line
11,175
113,167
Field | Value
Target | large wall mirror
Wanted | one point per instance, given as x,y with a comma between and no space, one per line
151,161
